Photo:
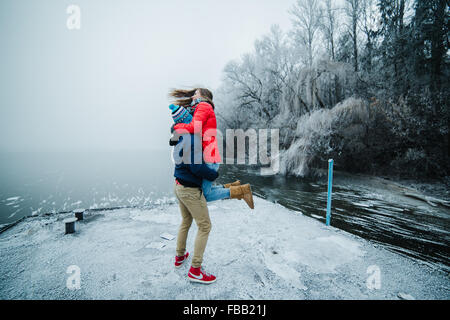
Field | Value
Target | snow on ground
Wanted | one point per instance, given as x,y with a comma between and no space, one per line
267,253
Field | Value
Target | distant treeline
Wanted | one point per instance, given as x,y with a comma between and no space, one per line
364,82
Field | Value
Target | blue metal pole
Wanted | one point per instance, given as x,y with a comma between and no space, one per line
330,183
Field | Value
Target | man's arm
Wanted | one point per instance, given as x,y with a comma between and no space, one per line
200,169
204,172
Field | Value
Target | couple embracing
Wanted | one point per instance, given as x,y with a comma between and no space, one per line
195,142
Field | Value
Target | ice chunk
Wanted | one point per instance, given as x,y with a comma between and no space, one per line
156,245
405,296
167,236
360,204
13,198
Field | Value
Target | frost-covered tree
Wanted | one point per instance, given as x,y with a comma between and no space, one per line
394,44
306,22
379,96
369,27
353,10
330,26
431,40
257,81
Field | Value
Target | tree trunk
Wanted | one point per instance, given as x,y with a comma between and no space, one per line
437,44
355,42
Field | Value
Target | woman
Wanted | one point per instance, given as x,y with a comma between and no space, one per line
199,102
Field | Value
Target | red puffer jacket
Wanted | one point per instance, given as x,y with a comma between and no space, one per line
204,114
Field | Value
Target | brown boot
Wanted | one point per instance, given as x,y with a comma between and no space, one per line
236,183
242,192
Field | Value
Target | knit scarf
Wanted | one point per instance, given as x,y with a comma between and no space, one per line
194,104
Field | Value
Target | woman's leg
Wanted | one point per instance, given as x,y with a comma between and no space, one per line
218,193
214,193
207,184
206,187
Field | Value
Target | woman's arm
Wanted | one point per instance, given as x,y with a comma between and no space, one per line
201,114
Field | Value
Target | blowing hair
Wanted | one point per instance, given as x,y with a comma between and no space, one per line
184,97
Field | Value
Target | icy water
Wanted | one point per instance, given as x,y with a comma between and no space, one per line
36,183
409,227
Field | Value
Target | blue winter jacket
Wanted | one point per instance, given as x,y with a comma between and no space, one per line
190,167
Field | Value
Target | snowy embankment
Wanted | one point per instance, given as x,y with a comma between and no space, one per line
267,253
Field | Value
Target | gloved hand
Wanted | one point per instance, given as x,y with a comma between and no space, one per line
173,140
190,110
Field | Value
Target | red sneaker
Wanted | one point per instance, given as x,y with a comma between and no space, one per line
180,260
199,275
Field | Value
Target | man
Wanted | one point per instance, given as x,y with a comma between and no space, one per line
190,170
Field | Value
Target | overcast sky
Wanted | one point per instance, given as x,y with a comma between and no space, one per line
104,86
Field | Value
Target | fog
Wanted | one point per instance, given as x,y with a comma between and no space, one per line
104,86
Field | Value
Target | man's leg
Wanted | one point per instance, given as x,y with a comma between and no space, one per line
195,202
184,227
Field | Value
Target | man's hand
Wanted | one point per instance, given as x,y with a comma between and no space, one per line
172,143
174,139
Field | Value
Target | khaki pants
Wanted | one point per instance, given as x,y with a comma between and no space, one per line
192,204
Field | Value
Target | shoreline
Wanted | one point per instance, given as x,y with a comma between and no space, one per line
438,188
